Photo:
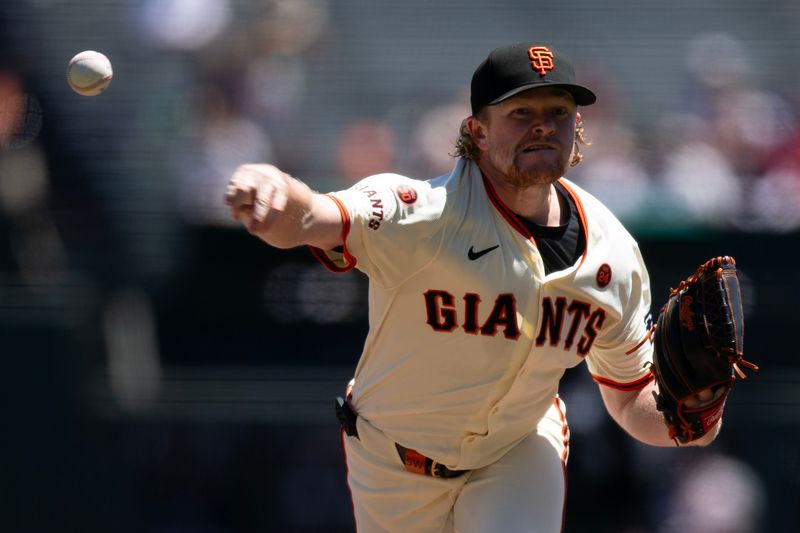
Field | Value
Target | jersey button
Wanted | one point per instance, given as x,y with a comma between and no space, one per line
470,439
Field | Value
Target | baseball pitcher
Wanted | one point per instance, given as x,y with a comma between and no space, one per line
486,284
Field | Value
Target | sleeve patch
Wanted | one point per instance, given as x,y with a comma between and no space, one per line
407,194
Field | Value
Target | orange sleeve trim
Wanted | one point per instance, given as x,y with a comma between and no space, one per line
322,257
630,386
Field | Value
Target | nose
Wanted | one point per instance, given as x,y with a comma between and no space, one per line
543,125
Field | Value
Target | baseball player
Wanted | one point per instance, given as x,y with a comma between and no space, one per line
486,284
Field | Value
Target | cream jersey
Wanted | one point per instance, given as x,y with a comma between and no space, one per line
468,337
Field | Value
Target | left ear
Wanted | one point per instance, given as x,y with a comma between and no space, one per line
477,130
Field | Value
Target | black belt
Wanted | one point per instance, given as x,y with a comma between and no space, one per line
412,460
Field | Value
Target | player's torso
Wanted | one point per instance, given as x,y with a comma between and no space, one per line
470,349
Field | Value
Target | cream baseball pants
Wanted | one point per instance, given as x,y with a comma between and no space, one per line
524,491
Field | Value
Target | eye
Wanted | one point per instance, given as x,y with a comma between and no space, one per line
560,111
520,112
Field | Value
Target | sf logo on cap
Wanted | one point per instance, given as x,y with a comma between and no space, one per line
541,59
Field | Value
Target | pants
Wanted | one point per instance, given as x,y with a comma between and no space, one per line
524,491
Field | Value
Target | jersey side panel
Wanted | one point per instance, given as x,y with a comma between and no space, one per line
615,275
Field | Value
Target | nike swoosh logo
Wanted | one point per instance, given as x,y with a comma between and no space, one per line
473,255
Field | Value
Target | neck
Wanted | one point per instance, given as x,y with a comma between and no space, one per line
537,202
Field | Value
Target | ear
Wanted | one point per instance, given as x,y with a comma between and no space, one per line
477,131
578,118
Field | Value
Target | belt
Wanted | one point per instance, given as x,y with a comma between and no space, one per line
412,460
419,464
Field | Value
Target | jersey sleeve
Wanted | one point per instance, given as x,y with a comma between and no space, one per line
392,227
621,358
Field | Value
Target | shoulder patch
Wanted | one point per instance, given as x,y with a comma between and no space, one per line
603,277
407,194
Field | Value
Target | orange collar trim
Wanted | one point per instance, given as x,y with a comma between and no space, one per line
513,219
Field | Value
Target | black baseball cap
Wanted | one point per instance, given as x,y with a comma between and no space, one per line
512,69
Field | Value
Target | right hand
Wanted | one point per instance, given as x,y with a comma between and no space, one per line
256,194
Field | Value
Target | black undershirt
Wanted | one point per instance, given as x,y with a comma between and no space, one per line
560,246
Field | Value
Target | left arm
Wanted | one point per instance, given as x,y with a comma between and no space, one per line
635,411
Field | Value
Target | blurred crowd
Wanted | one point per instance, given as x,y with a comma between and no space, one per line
728,158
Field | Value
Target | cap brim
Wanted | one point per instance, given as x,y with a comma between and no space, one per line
581,94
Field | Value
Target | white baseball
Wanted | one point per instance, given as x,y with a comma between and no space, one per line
89,73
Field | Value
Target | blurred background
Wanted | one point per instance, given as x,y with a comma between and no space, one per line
166,372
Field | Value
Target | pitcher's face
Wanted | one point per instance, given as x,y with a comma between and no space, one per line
528,139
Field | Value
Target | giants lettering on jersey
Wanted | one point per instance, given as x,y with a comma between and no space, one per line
582,317
440,307
376,215
441,311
